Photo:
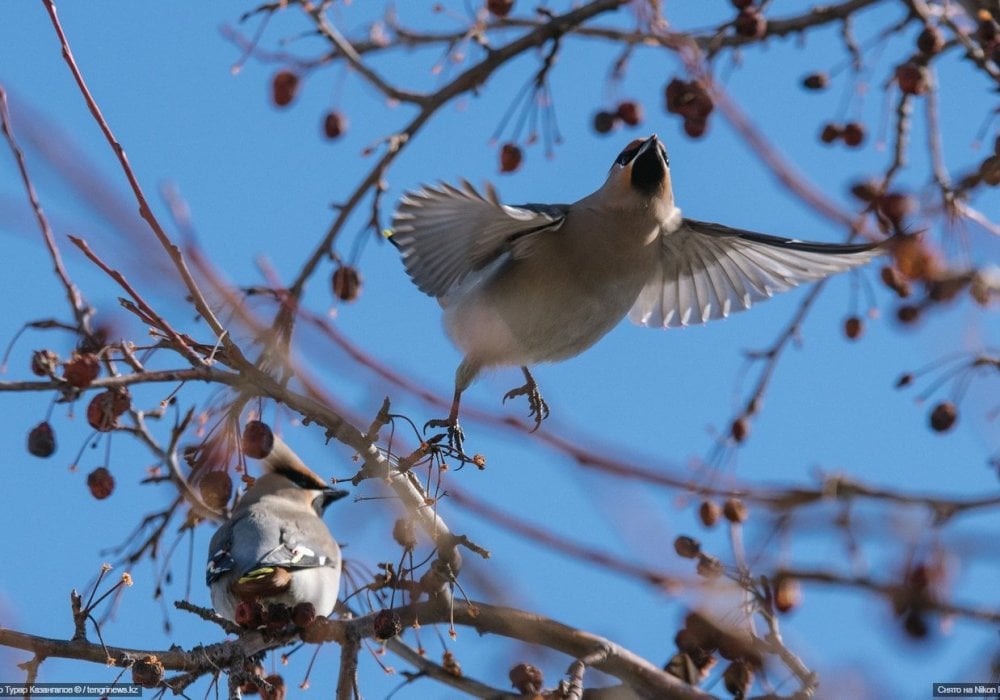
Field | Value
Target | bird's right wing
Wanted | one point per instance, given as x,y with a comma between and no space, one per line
708,270
445,233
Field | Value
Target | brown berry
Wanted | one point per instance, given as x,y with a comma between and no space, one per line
915,259
865,190
249,614
905,379
709,513
387,624
303,614
284,86
915,624
81,369
854,134
750,23
709,566
605,122
688,99
741,4
526,679
404,531
499,8
258,440
630,112
816,81
912,78
216,487
278,691
42,440
147,672
44,363
104,409
787,593
346,283
989,171
277,617
687,547
894,280
695,128
930,41
943,417
735,510
334,125
908,313
895,206
830,133
739,429
854,327
101,483
510,157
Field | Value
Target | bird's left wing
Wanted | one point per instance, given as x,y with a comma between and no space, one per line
445,233
708,270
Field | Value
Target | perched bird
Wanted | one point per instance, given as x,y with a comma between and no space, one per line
275,547
543,282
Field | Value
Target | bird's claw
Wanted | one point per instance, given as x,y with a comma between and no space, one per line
456,437
538,409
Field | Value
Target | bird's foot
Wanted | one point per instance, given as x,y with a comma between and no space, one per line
538,409
456,437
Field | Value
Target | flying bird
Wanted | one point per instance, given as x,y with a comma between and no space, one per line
533,283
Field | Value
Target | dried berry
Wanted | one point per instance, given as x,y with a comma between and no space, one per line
695,128
735,510
216,488
943,416
915,624
905,379
908,313
816,81
284,86
104,409
249,614
709,513
689,99
989,171
44,363
865,190
630,112
739,429
147,672
404,531
42,440
258,440
750,23
741,4
81,369
387,624
510,157
894,280
787,593
915,259
277,617
895,206
527,679
334,124
687,547
101,483
499,8
830,133
709,566
278,689
854,134
912,78
346,283
930,41
854,327
605,122
303,614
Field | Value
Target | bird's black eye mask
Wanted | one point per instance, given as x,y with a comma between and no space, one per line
305,481
626,156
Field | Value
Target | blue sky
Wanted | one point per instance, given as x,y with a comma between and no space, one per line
260,183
